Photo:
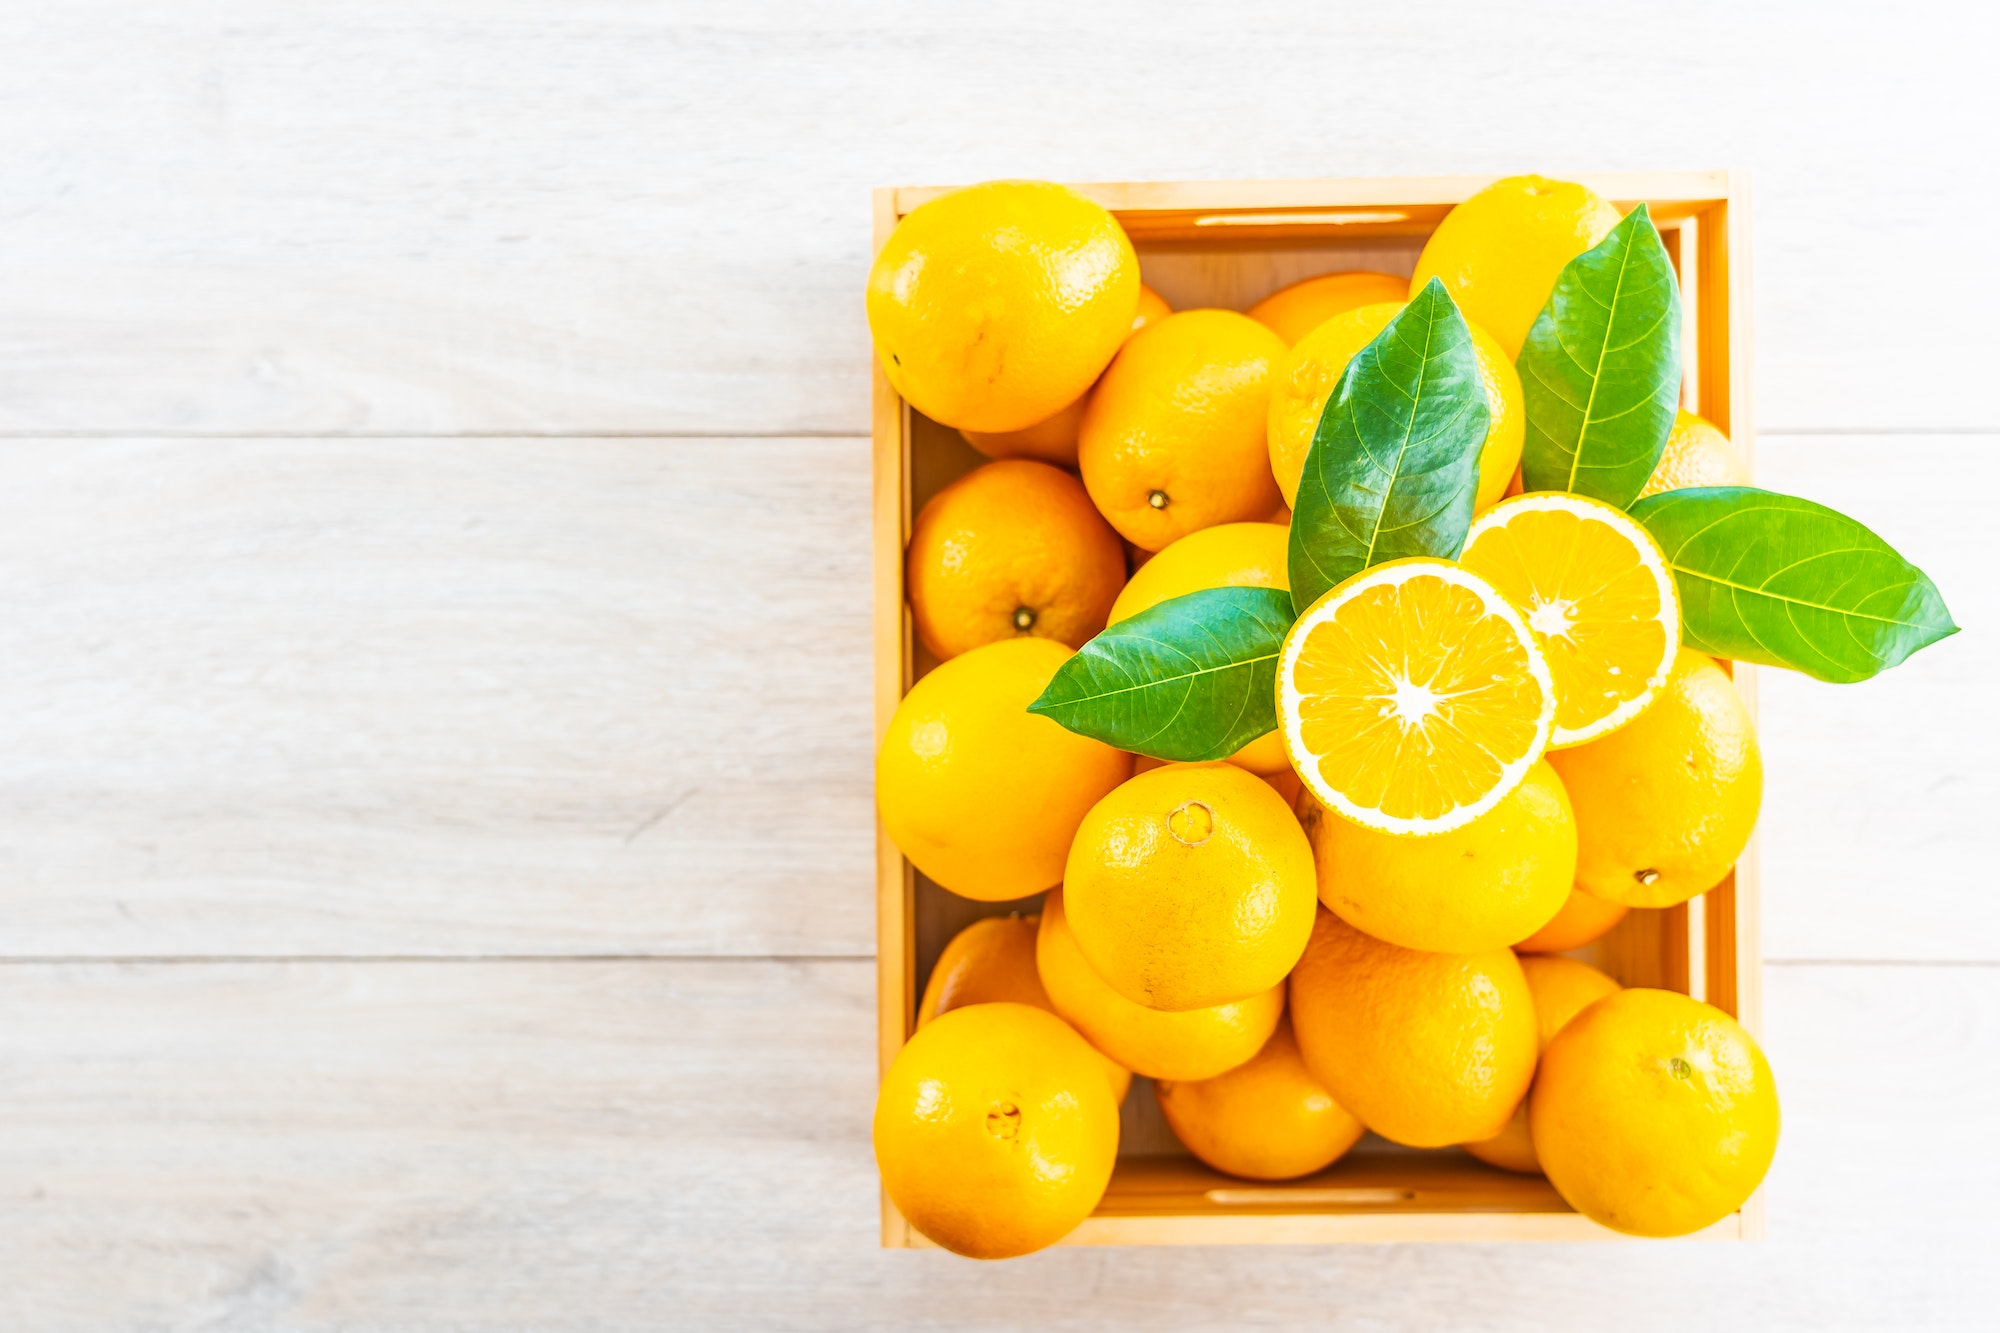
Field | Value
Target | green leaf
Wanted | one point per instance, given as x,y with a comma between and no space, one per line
1771,578
1394,463
1194,677
1601,369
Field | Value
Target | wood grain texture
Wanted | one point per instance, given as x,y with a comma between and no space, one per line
466,216
496,697
497,1146
437,697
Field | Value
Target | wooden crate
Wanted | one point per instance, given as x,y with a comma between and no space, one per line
1228,243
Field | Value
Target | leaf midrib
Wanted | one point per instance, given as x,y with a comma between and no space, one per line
1793,601
1603,350
1409,427
1158,681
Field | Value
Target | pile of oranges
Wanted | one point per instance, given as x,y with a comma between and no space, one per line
1357,922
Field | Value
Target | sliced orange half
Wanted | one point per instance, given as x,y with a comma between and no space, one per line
1412,697
1598,598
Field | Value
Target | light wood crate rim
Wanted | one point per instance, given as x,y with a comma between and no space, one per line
1329,1210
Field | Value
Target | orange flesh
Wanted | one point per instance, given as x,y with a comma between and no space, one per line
1614,641
1435,635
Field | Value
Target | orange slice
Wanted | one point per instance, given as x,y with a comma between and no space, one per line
1412,697
1598,598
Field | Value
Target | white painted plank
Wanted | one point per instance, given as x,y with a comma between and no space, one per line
438,697
1879,797
685,1144
466,216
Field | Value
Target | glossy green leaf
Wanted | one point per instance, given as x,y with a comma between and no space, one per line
1194,677
1601,369
1771,578
1394,463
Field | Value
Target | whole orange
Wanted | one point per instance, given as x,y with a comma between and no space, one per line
1500,252
1268,1118
1482,886
1010,549
1190,886
1665,804
995,1131
1293,312
1654,1114
1189,1044
994,307
1429,1049
1173,440
1563,988
982,795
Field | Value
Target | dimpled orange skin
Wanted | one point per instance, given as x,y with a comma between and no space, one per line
1500,252
1654,1114
994,1130
1293,312
1483,886
1581,920
1665,804
1267,1119
1054,440
982,795
1563,988
1697,454
1429,1049
1312,372
1173,440
1228,555
996,306
1190,886
992,961
1191,1044
1007,543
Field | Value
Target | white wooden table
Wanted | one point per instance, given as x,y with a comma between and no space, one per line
434,688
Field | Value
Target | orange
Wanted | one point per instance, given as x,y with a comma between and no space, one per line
1268,1119
1293,312
1054,440
1009,549
1666,804
992,961
1152,308
1563,988
1654,1114
1500,252
1228,555
1482,886
1697,454
982,795
994,1130
1427,1048
1581,920
1313,370
1412,698
1191,1044
1598,597
994,307
1173,439
1190,886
